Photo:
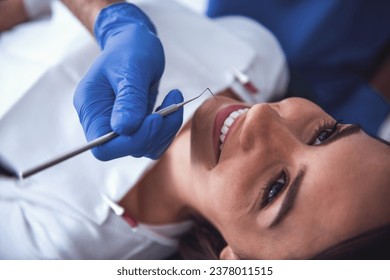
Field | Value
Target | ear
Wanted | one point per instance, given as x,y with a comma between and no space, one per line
228,254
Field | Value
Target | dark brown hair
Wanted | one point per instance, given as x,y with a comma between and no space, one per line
204,242
373,244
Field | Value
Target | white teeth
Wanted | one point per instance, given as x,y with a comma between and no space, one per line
235,114
229,121
224,129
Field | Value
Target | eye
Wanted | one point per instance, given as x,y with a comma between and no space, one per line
274,188
325,131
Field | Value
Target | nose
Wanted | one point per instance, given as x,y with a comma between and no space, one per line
259,120
272,122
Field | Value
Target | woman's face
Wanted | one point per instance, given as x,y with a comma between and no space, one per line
288,181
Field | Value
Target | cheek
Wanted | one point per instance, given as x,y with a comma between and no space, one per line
229,195
199,151
226,192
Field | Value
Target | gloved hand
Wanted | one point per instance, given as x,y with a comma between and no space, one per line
119,91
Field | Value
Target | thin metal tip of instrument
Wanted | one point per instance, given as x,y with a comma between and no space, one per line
196,97
174,107
212,93
206,89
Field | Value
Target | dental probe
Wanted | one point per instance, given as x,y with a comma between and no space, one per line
98,141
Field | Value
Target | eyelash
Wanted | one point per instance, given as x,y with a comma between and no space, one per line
266,199
329,126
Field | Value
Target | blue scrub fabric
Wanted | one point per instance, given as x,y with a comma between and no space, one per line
332,47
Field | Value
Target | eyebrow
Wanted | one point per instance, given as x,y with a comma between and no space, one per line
344,132
289,199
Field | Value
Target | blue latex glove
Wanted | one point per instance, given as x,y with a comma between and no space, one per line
119,91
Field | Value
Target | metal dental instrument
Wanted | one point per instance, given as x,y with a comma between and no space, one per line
98,141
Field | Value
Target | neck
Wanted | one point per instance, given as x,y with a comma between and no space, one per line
159,197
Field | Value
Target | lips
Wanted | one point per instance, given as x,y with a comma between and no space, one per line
220,118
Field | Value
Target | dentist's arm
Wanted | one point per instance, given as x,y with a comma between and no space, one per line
119,91
87,10
12,13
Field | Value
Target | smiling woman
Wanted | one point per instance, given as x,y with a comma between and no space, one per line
254,180
287,181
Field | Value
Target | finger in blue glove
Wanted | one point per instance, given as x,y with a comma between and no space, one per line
153,137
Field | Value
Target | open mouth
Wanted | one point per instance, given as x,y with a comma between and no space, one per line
223,124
